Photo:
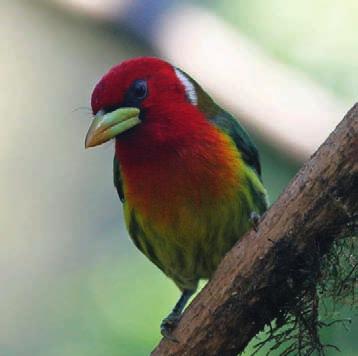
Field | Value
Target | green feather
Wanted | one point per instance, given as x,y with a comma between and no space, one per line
117,178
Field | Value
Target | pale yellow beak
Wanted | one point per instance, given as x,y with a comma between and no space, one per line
107,126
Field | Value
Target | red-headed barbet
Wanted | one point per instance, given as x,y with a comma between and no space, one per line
186,171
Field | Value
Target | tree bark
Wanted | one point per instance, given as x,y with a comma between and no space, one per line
266,269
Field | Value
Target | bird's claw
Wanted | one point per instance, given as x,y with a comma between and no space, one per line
168,325
255,219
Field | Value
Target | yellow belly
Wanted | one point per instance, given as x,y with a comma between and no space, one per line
192,244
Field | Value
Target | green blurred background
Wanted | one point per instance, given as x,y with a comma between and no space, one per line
72,281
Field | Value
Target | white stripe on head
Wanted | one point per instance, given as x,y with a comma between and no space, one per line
188,86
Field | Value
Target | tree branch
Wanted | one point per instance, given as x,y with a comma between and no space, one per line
266,270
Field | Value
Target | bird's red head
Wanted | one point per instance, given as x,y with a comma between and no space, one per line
140,82
148,100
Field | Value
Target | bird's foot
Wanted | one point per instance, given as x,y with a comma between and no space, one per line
168,325
255,220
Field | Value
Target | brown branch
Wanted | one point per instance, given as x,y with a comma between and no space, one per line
265,270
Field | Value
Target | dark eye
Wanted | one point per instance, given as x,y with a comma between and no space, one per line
140,89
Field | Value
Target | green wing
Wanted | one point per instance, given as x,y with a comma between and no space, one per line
117,179
225,122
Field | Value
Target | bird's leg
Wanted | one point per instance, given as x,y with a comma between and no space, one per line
171,321
254,220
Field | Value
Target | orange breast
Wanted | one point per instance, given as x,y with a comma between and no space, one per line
186,181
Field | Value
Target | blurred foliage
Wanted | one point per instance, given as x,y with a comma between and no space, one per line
318,37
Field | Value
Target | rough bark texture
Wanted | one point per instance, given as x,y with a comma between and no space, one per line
265,270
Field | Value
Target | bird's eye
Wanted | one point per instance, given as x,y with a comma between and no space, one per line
140,89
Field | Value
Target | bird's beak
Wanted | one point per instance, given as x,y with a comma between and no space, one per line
107,126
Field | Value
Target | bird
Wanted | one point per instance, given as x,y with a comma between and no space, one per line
187,172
